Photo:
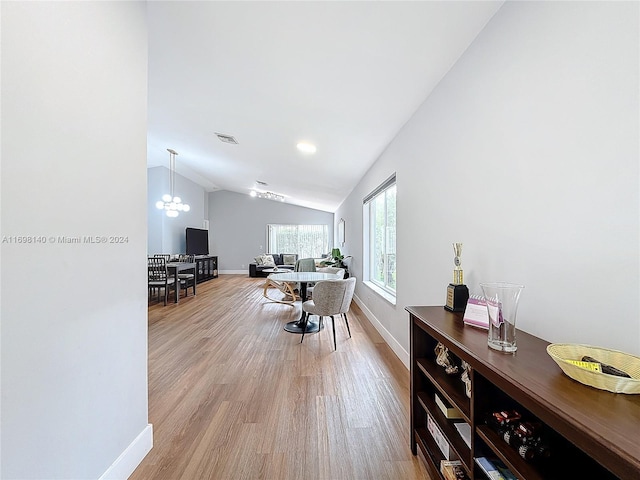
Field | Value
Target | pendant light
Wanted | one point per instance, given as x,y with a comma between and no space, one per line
171,204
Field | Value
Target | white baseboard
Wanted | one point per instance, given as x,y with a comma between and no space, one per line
233,272
400,352
128,460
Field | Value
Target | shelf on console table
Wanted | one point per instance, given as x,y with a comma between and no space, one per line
603,426
206,267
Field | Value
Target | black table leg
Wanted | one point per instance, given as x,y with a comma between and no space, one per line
296,327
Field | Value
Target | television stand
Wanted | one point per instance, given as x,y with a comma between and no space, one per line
206,267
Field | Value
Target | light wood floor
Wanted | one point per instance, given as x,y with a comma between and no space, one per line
234,396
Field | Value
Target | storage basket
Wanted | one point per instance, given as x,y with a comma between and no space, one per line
630,364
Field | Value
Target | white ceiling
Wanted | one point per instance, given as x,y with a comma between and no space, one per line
344,75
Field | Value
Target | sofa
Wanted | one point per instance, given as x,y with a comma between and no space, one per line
284,262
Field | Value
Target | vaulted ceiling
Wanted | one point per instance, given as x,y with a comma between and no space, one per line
344,75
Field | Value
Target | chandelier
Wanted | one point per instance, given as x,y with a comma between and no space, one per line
171,204
267,195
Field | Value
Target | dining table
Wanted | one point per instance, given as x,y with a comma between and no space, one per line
303,278
176,268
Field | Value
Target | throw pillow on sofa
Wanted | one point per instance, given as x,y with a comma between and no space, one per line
268,261
289,259
258,260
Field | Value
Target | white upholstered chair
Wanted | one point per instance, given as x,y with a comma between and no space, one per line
330,298
338,272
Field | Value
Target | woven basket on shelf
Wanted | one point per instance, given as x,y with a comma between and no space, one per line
561,352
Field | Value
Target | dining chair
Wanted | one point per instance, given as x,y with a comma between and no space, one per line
346,302
187,279
337,272
166,256
303,265
158,276
331,298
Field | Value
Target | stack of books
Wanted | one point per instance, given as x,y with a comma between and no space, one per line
452,470
494,469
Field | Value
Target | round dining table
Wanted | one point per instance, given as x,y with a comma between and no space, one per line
303,278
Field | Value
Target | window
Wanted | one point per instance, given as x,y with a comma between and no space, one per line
308,241
380,237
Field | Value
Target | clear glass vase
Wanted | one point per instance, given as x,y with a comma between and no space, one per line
502,305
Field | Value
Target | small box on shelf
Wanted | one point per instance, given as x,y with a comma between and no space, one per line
439,438
464,429
446,409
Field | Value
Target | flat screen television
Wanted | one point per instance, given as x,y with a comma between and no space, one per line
197,241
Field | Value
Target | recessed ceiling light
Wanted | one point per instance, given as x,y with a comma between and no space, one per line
306,147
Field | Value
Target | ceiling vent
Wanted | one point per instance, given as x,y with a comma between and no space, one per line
226,138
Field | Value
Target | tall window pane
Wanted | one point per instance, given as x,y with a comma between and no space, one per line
381,205
308,241
390,238
378,234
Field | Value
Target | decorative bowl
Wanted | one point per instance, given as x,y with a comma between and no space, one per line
562,352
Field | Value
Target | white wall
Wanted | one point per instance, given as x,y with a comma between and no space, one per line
157,180
527,152
74,316
238,226
166,234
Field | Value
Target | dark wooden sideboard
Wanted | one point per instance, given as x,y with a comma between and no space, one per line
592,434
206,267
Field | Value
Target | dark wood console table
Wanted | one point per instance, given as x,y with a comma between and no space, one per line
593,434
207,268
